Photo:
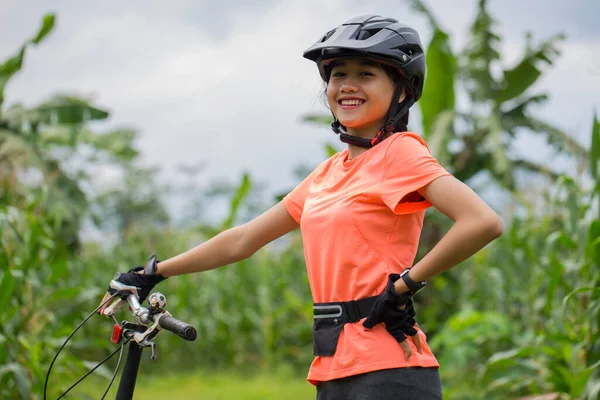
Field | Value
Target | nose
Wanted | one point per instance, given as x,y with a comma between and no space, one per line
348,88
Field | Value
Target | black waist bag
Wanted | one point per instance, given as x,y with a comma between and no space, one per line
330,318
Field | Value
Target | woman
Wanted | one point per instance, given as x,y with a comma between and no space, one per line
361,214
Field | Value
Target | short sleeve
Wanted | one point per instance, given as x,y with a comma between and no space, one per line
409,166
294,200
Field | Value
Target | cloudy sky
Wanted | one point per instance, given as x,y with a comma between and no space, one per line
225,83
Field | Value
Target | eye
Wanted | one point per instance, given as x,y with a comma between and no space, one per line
366,73
337,74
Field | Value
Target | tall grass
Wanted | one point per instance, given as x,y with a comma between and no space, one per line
520,317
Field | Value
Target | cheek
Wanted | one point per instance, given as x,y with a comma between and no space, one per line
385,99
331,96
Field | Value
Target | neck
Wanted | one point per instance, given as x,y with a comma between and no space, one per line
355,151
365,132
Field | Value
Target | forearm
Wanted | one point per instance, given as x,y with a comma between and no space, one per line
464,239
225,248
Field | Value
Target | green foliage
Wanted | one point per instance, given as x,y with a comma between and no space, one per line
45,289
480,54
522,76
520,317
134,204
439,87
537,324
37,142
14,64
498,103
41,293
595,151
240,194
319,119
253,314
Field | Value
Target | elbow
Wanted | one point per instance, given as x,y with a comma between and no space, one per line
493,226
243,248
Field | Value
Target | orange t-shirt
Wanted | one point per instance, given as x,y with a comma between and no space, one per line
361,220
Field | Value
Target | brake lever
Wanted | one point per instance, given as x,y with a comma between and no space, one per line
153,348
123,289
142,338
111,310
151,330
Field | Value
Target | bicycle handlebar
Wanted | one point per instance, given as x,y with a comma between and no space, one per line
147,316
139,334
180,328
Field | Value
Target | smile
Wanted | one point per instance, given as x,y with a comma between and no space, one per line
350,103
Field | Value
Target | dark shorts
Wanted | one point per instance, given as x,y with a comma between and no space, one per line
388,384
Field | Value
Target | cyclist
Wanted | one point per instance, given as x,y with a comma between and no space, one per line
361,213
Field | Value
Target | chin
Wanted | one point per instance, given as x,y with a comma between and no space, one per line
352,123
356,125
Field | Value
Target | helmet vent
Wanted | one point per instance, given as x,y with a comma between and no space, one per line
328,35
367,33
409,50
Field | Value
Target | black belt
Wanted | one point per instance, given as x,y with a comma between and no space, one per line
352,311
330,318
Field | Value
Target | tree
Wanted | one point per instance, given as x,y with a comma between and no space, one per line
37,142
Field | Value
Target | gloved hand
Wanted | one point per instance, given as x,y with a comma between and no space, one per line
397,312
143,281
399,323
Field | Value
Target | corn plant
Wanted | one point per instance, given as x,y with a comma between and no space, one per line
255,313
530,303
40,301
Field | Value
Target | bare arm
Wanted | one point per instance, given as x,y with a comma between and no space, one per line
232,245
475,225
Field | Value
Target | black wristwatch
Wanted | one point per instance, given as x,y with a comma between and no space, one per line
414,287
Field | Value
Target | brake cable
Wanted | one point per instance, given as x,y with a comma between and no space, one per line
97,366
156,316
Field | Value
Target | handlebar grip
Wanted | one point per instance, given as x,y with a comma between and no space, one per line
178,327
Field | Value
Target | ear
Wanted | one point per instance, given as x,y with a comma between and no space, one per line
402,96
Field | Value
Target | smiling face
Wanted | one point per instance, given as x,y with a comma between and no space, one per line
359,93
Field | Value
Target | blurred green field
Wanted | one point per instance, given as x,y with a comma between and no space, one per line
521,317
209,386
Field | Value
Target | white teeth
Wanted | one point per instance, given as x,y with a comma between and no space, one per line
352,102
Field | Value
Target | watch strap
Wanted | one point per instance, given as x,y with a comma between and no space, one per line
413,286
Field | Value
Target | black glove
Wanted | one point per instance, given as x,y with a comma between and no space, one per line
143,282
399,322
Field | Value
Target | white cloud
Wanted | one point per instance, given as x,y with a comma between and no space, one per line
232,97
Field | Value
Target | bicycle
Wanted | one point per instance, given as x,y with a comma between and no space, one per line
149,322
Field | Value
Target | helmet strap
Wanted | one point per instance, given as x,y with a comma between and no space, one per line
395,113
340,129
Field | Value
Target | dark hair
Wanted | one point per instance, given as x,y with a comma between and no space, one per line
409,91
399,81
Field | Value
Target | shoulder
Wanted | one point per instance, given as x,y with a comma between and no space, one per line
407,138
406,143
325,166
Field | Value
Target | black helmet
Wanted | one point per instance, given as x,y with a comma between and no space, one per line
376,37
381,39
